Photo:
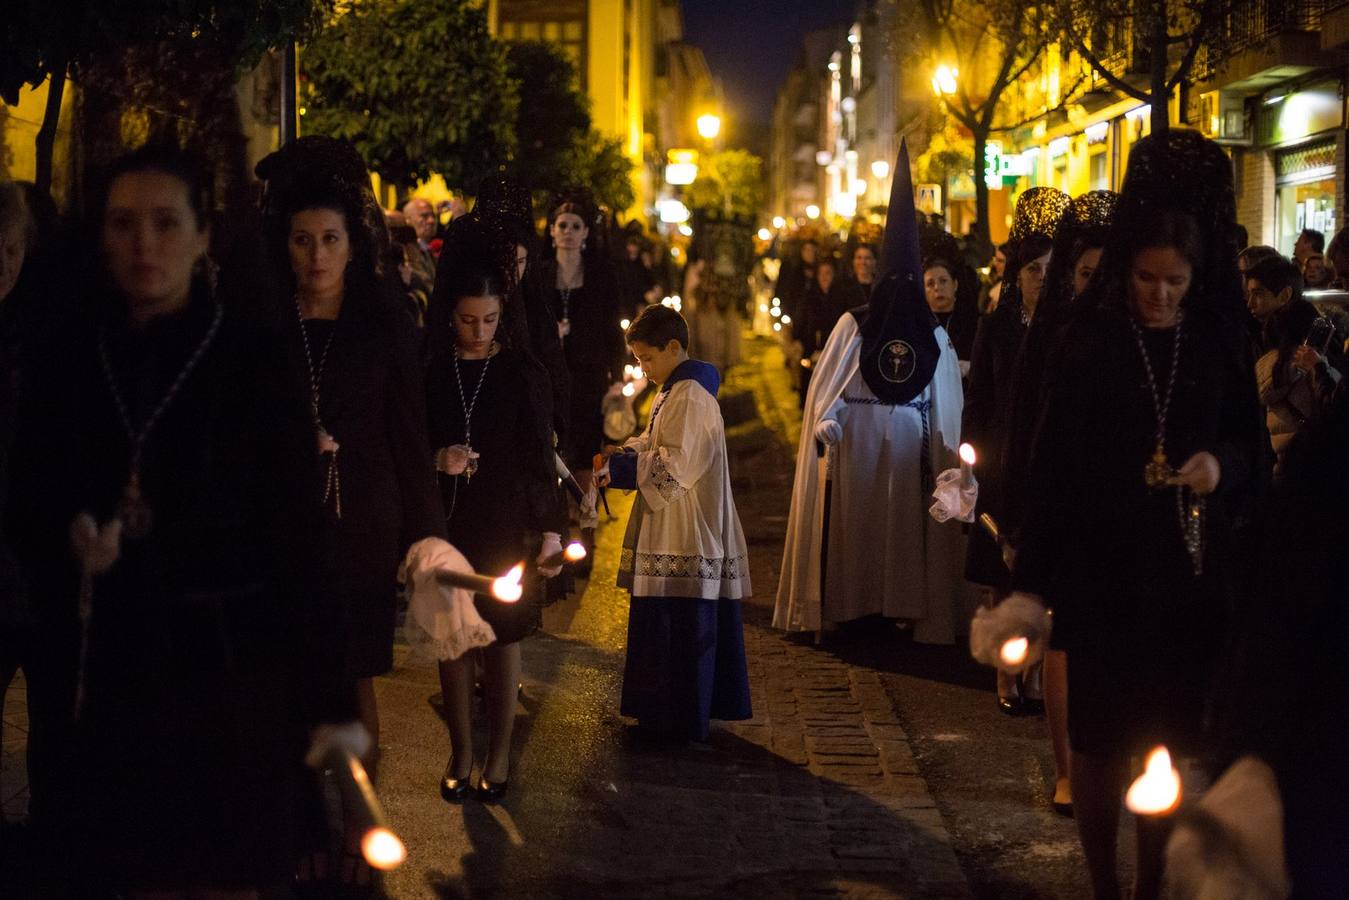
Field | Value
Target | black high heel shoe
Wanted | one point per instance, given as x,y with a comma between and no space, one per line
491,791
453,789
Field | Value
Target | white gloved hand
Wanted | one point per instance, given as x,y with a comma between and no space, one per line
552,546
1019,618
349,736
828,432
590,513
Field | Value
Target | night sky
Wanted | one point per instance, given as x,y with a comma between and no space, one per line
751,44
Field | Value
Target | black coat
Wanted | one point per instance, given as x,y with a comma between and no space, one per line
594,351
212,646
373,403
988,402
821,311
1103,549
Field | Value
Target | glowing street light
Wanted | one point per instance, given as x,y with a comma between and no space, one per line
944,80
709,125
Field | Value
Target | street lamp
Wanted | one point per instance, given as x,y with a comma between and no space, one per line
944,80
709,126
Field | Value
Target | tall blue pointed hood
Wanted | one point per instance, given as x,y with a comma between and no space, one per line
899,348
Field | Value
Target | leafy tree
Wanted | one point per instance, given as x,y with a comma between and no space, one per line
554,116
418,86
1162,38
992,45
731,181
57,38
598,162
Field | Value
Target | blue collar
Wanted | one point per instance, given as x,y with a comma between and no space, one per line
705,374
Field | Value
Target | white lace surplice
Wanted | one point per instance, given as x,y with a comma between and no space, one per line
684,537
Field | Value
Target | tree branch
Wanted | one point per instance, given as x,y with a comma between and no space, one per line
1115,81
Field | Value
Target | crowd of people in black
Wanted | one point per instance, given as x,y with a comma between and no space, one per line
216,455
1159,417
214,459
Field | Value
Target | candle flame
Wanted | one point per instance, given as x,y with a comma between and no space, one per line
383,849
1157,791
508,587
624,324
629,390
967,454
1014,651
575,552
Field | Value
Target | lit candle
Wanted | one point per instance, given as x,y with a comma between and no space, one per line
1013,652
381,848
572,553
507,588
629,389
1157,791
624,323
967,460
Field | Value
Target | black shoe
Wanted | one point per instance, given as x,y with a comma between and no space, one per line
453,789
1011,706
491,791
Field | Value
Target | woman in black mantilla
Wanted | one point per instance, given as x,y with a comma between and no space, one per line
988,402
490,424
357,350
585,299
165,438
1150,448
1079,242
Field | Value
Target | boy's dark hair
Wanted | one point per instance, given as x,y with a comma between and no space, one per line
1315,238
658,325
830,261
1276,273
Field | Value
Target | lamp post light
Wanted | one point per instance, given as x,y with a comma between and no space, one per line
944,80
709,126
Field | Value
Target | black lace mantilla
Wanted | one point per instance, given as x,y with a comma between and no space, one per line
672,565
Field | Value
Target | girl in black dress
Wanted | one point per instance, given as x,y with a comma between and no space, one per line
490,425
1150,447
357,350
165,437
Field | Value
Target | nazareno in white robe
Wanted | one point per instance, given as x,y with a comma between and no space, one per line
684,537
886,555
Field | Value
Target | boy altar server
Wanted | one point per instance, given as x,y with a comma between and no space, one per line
684,556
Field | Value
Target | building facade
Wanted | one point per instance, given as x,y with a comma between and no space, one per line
615,45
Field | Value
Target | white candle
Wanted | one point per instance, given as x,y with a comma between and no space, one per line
967,460
1157,791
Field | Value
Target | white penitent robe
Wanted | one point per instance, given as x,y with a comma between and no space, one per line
684,537
885,553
